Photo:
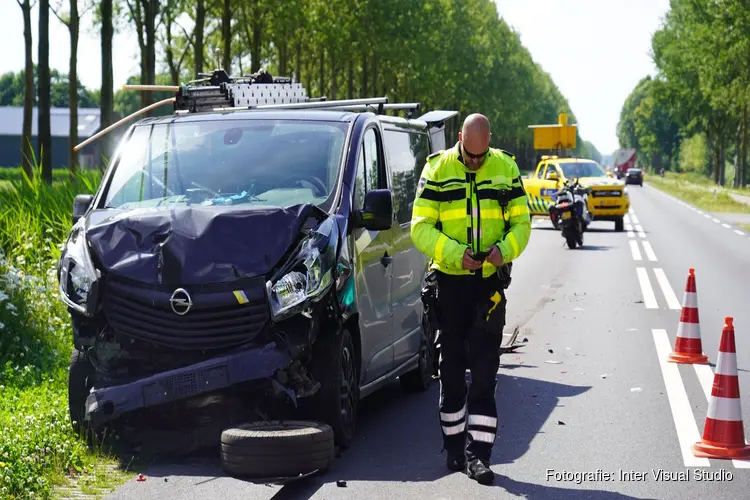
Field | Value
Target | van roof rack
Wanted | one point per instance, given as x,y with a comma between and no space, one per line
218,91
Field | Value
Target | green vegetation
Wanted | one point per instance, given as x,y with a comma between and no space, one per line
745,227
699,194
693,117
38,448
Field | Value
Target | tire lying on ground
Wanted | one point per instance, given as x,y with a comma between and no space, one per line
276,449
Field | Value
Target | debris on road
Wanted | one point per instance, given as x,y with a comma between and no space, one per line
341,484
605,375
560,422
553,362
636,389
141,478
550,351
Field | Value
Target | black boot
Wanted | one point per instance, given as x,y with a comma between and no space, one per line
456,461
479,471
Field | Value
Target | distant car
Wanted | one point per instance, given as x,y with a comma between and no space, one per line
634,176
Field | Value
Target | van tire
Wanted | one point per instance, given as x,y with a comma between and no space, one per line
80,380
277,448
335,365
419,379
619,224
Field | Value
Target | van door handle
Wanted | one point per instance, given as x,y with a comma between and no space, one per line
386,259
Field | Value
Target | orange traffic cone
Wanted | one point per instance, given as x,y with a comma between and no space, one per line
688,347
724,434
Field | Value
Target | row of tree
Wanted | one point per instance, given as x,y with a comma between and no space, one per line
448,54
697,105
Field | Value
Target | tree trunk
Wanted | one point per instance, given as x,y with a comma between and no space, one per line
722,160
27,147
350,71
73,88
363,92
200,24
106,102
174,71
322,71
255,54
43,127
151,10
374,75
298,62
226,33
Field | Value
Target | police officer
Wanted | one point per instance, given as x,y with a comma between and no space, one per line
471,218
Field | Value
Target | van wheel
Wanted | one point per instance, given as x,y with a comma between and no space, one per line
276,449
80,381
334,364
619,224
418,380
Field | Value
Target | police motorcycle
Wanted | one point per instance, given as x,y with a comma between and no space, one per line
571,210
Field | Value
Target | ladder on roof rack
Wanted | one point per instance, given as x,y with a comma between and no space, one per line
218,91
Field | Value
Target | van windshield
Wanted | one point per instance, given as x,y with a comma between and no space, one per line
571,170
229,162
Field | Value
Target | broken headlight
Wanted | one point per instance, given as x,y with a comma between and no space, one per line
307,276
77,274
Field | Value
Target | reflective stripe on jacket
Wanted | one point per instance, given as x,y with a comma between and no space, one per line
467,208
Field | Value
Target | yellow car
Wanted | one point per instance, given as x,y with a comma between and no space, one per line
608,201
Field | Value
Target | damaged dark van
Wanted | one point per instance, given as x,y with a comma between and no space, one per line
248,265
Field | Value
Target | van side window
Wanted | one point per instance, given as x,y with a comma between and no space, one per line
407,154
540,174
368,169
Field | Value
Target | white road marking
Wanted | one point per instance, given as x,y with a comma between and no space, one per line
626,219
631,234
726,225
706,216
682,413
634,218
699,212
706,378
649,298
631,212
666,288
641,233
635,250
715,220
649,251
739,232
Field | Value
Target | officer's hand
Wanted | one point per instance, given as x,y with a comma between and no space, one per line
495,257
470,263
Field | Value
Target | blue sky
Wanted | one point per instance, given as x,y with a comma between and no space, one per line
595,50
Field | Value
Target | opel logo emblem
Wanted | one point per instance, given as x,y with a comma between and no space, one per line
180,301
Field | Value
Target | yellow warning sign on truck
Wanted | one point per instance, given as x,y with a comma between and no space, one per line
555,136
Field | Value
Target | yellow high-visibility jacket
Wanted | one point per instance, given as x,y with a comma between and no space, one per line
467,206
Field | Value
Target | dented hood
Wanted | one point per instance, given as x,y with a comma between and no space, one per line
194,245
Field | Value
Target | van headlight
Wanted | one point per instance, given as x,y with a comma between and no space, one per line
77,274
304,278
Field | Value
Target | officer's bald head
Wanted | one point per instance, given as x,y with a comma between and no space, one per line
475,139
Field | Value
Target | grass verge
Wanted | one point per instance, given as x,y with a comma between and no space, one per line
745,227
702,196
40,455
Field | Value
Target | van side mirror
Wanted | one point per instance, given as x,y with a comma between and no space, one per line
552,176
81,204
377,214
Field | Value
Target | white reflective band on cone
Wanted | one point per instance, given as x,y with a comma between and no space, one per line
690,300
727,409
727,364
689,330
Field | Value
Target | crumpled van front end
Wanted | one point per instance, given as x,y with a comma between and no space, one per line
181,295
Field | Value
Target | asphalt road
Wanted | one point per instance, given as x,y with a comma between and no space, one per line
590,393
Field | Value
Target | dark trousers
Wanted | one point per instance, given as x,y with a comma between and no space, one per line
472,316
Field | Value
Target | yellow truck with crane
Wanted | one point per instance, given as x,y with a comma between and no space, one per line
608,200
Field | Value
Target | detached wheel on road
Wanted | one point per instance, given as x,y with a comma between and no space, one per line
619,224
276,449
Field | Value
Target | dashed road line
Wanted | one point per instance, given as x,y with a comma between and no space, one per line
634,218
666,289
739,232
714,219
682,413
641,233
649,251
635,250
725,225
649,298
626,219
